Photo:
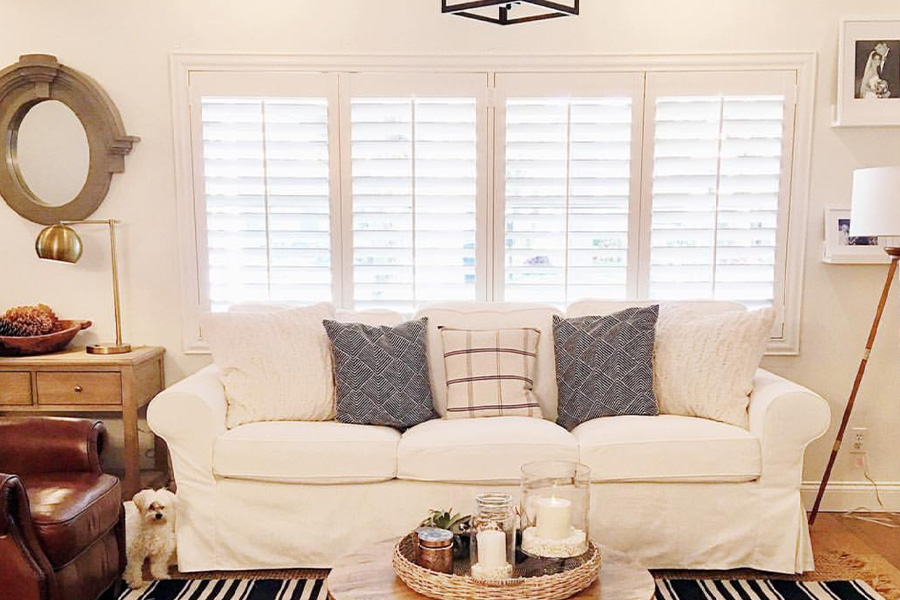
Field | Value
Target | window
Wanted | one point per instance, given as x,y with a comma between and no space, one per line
390,188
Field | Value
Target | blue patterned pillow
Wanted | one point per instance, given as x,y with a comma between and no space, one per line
604,365
381,373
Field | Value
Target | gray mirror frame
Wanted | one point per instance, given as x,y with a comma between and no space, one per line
37,78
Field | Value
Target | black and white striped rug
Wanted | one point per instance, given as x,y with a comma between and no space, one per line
666,589
763,589
231,589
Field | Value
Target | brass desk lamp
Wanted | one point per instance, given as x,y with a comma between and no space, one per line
61,243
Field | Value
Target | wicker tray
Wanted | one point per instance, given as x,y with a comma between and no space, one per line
577,575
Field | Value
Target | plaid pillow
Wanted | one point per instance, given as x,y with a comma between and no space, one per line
490,373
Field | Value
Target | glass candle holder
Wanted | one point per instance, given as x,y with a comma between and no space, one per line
555,511
493,537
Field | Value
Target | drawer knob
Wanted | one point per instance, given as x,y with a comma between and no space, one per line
78,389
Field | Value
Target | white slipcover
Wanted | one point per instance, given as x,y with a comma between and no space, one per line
229,523
487,450
667,448
307,452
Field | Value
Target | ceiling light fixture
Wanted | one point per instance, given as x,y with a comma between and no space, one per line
511,13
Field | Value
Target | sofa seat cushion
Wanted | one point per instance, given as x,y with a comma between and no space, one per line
667,448
488,450
322,452
71,511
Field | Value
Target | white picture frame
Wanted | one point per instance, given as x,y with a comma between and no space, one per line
841,248
868,74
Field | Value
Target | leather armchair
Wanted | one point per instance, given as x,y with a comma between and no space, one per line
62,528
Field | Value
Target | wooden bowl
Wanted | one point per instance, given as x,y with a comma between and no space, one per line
42,344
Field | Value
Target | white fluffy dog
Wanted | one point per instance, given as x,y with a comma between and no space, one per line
150,534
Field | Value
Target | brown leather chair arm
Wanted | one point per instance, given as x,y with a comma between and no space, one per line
25,571
46,445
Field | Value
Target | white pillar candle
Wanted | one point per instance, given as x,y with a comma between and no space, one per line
554,518
491,549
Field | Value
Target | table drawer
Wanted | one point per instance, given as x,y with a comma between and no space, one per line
74,387
15,388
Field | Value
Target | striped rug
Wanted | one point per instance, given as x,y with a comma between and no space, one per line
666,589
762,589
231,589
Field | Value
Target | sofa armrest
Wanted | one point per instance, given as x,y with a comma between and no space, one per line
25,571
189,416
786,417
44,445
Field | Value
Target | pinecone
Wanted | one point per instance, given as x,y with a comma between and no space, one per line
10,329
31,320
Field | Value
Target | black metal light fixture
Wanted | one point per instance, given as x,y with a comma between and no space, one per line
506,11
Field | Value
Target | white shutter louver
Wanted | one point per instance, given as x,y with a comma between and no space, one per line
266,175
414,177
717,173
568,171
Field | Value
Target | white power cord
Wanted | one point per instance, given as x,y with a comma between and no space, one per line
886,520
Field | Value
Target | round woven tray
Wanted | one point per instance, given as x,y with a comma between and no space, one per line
556,586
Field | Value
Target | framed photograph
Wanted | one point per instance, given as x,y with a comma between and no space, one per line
842,248
869,74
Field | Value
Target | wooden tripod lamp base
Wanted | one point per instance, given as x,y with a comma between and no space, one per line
894,253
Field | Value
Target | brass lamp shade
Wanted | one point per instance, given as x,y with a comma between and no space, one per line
58,242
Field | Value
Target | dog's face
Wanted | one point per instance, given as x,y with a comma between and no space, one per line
157,507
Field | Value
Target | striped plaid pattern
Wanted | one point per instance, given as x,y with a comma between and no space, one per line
490,373
763,589
231,589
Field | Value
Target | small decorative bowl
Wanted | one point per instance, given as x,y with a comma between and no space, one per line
42,344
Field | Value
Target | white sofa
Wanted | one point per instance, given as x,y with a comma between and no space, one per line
674,492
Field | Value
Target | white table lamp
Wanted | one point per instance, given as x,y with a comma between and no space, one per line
875,211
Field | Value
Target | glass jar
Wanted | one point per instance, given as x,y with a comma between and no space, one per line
555,510
493,537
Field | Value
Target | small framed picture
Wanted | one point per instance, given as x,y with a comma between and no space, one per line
869,74
842,248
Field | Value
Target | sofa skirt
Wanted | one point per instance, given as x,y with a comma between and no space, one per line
235,524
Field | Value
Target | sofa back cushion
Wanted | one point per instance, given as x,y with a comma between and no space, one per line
491,316
589,306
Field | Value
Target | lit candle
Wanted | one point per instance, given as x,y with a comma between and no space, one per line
491,549
554,518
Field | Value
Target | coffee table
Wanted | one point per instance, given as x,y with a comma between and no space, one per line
368,575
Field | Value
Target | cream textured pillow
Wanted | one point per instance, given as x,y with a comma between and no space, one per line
276,366
490,373
704,365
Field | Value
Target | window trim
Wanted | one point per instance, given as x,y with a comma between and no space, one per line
183,64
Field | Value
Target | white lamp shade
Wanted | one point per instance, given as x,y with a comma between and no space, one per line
875,208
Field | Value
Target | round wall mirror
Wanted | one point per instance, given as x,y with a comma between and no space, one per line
52,152
61,141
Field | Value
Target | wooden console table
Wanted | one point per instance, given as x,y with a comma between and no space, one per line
73,381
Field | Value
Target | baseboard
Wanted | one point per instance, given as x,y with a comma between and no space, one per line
849,495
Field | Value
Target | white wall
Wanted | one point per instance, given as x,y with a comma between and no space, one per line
125,45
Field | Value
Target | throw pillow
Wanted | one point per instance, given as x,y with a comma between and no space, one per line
382,373
604,365
275,366
705,365
490,373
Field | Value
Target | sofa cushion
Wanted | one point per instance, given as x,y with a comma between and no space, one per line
71,511
307,452
493,315
480,450
667,448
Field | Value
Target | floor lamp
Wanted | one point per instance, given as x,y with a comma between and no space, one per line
875,211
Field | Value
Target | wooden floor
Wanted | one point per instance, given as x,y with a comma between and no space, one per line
833,531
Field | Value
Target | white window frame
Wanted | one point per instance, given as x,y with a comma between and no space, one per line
185,65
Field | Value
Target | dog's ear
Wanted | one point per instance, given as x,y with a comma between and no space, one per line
142,499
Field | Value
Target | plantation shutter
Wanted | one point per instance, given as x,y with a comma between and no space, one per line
568,159
416,190
266,182
721,163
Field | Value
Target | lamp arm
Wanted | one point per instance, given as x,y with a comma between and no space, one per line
111,223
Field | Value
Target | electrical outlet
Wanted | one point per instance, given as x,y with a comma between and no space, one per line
858,439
